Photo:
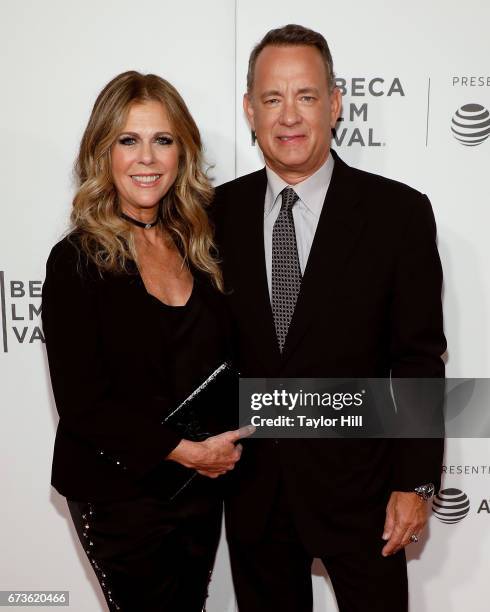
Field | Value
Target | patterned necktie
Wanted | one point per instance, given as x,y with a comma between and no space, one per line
286,272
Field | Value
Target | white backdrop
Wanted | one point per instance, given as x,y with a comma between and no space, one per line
55,57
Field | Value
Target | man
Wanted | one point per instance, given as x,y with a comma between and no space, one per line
332,272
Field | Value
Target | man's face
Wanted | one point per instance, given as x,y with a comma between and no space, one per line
292,111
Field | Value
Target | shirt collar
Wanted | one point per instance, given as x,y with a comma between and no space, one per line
311,191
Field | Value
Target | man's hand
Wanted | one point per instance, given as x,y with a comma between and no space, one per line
406,515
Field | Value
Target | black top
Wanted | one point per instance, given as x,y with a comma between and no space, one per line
120,360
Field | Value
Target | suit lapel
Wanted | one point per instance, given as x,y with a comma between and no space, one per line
254,275
339,227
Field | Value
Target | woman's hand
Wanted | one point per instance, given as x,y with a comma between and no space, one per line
214,456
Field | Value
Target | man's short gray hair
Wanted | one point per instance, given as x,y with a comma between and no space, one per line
292,35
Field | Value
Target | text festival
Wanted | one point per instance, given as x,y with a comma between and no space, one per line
25,308
359,86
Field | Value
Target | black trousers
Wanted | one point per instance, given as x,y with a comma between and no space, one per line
151,555
275,572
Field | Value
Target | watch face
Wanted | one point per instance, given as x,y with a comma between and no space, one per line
426,491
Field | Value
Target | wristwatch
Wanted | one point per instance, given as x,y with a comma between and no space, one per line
425,491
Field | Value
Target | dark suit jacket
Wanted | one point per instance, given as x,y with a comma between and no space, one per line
370,305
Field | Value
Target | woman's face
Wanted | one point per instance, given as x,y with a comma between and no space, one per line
144,158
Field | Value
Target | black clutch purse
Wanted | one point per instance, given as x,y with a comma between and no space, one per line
210,409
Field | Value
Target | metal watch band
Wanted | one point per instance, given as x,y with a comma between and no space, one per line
425,491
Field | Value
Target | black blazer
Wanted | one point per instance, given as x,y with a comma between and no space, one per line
119,361
370,305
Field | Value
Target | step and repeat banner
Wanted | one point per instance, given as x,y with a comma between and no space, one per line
415,80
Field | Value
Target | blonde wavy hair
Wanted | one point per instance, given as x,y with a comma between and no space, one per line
100,232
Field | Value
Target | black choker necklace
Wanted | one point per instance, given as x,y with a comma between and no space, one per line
139,223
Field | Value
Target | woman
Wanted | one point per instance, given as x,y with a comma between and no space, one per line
134,322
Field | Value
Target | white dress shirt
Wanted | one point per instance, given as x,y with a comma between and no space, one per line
306,211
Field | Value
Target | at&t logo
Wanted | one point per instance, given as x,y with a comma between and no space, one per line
451,505
471,124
